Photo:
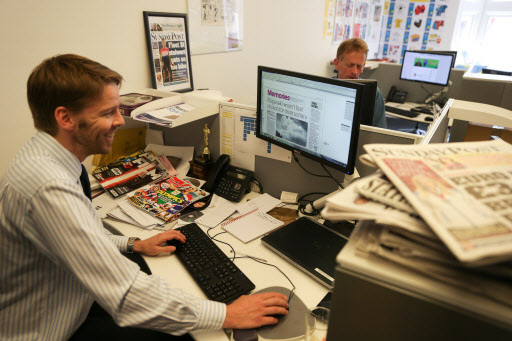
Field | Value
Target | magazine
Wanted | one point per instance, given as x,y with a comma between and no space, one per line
463,191
166,198
131,101
164,116
130,173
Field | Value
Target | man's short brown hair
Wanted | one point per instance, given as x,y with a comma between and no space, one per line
349,45
67,80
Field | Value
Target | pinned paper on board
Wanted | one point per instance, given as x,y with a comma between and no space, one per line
238,137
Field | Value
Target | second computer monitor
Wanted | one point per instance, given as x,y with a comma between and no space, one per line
368,102
427,67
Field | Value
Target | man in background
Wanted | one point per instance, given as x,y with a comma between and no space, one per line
350,59
56,258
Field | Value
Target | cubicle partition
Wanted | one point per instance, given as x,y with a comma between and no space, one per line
275,176
491,92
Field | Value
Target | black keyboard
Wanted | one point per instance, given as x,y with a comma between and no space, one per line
402,112
219,278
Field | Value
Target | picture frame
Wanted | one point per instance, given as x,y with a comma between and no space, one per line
168,51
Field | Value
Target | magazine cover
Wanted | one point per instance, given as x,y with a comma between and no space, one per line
166,198
132,101
130,173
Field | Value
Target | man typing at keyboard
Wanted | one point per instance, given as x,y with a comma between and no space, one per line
56,258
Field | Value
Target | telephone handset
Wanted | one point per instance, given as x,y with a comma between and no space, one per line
227,181
395,95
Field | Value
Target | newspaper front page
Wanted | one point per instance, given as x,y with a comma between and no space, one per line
463,191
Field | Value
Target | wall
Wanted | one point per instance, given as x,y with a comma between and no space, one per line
285,34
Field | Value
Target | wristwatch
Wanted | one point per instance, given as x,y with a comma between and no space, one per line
131,241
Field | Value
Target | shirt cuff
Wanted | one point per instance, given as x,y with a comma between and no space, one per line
212,315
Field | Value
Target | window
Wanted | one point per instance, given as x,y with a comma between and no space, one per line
482,34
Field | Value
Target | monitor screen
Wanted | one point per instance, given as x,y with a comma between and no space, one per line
368,104
426,67
313,116
454,53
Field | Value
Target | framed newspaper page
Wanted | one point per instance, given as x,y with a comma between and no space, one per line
168,51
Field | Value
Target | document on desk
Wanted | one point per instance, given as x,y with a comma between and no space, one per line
264,202
218,210
143,219
251,225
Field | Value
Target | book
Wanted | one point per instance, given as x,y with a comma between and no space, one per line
130,173
131,101
165,199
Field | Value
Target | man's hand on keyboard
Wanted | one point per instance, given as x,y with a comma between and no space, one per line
253,311
153,246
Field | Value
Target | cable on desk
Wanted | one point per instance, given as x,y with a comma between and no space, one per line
257,183
250,257
281,271
302,207
220,241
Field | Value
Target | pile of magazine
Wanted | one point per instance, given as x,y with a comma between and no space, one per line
442,209
165,199
130,173
151,186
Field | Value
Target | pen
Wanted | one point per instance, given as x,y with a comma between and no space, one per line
245,255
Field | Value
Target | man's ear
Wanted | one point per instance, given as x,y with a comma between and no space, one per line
336,63
65,119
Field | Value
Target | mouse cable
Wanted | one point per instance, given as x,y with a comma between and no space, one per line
254,259
281,271
220,241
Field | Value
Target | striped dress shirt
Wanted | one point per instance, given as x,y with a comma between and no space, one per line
56,258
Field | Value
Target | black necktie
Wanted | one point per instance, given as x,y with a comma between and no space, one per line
86,185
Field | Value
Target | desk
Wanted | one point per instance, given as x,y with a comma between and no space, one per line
421,118
263,276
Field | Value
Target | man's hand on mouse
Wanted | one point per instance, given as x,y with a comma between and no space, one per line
153,246
254,311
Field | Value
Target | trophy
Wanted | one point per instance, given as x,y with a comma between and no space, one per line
206,150
202,163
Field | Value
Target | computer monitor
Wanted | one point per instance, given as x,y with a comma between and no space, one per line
369,134
313,116
368,104
454,53
426,67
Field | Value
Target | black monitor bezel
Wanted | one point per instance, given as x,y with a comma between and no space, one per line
370,88
433,53
349,167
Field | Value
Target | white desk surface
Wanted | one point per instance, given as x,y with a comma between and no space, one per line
169,267
407,106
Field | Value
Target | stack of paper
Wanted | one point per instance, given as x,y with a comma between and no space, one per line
441,209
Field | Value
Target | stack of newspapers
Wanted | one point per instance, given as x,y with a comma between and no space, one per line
444,210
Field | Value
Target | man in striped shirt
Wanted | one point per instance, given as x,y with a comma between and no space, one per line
56,258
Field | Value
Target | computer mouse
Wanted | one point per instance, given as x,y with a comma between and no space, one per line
429,119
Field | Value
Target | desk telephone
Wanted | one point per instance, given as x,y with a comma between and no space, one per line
395,95
227,181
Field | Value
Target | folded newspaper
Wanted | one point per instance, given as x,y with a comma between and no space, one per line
463,191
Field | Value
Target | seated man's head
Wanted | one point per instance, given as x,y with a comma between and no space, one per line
350,58
76,100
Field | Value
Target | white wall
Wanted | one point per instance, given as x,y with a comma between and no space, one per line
285,34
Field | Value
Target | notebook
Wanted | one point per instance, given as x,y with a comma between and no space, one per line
310,246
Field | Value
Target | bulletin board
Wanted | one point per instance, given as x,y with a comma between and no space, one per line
215,25
414,25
